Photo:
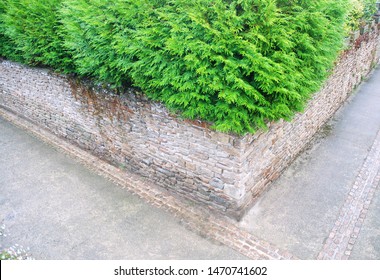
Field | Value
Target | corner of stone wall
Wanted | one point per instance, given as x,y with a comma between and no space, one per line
265,155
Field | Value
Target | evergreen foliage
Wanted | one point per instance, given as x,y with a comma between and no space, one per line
7,49
235,63
98,32
33,30
360,12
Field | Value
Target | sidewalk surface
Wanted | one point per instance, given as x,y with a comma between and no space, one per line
61,210
300,209
326,205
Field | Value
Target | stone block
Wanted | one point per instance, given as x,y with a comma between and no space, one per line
234,192
217,183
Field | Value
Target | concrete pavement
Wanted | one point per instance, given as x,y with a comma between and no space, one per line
61,210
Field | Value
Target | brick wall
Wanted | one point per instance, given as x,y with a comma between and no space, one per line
221,171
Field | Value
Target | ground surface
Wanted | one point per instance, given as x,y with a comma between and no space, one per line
61,210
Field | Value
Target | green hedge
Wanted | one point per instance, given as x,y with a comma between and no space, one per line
7,49
360,12
235,63
98,34
33,30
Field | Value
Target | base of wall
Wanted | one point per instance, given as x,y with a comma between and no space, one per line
215,226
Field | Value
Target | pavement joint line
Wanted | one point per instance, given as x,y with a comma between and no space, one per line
212,225
354,210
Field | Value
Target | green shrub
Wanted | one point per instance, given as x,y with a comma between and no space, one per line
360,13
369,9
235,63
7,49
33,29
2,36
92,31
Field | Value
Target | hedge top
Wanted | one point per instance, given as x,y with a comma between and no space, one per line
235,63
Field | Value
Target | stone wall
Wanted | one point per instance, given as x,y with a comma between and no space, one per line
265,155
221,171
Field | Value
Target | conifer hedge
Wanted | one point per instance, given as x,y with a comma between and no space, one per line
98,32
33,29
6,47
235,63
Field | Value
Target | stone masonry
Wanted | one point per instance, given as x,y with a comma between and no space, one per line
220,171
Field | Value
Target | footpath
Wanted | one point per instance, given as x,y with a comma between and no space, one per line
326,205
52,207
59,202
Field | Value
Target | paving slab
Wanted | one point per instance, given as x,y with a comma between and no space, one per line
368,245
300,209
60,210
